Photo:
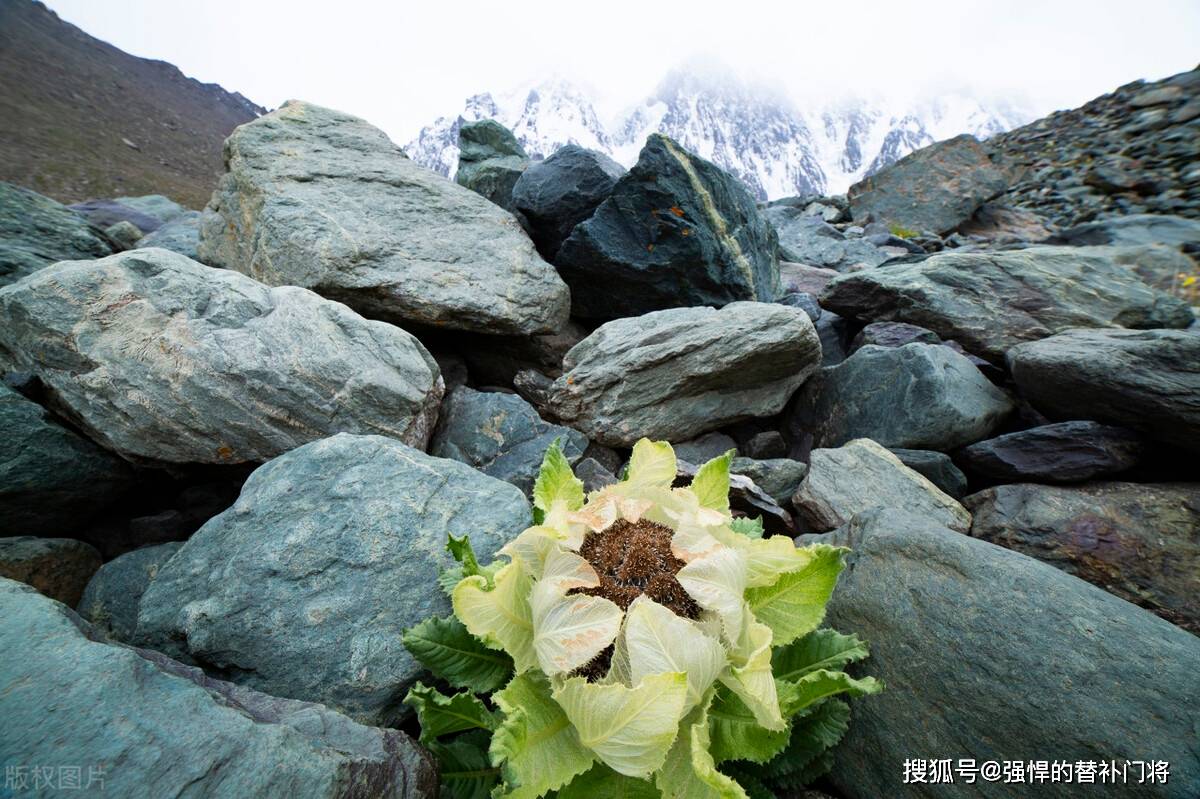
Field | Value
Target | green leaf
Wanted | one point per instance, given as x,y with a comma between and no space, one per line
736,733
711,483
499,615
630,729
466,772
751,528
748,779
460,549
446,648
812,735
818,685
795,604
452,575
441,715
819,649
690,771
556,482
601,782
535,744
652,464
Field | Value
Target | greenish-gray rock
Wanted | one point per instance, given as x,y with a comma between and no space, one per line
500,435
672,375
1136,540
110,601
987,654
702,449
321,199
856,477
163,360
105,213
36,231
51,479
557,194
1146,380
811,240
162,208
779,477
676,231
1066,452
893,334
58,567
490,160
1133,229
303,587
124,235
937,467
991,301
139,725
919,396
181,235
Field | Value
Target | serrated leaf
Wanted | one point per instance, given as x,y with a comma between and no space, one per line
690,771
462,551
754,787
451,653
465,770
500,617
750,675
736,733
818,685
711,483
441,715
819,649
601,782
556,483
812,734
630,729
751,528
452,575
658,641
535,744
652,464
795,604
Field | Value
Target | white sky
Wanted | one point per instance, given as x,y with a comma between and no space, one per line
401,64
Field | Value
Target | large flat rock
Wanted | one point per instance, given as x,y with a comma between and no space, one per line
321,199
36,231
1066,452
303,587
163,360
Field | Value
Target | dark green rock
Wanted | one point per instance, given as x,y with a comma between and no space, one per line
778,477
557,194
148,727
490,161
1067,452
811,240
124,235
110,601
676,231
162,208
988,654
937,467
181,235
36,231
58,567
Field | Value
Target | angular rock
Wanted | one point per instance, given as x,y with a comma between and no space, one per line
58,567
804,301
320,199
594,475
810,240
163,360
1067,452
834,333
1001,225
51,480
36,231
110,601
746,499
778,477
934,189
495,360
142,725
303,587
767,444
1136,540
676,231
992,655
106,213
1146,380
919,396
181,235
893,334
557,194
803,278
124,235
990,302
490,160
672,375
164,209
500,435
704,448
936,467
1132,230
844,482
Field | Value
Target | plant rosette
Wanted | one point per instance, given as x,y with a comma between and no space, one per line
639,641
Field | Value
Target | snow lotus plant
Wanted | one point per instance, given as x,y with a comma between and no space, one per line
639,641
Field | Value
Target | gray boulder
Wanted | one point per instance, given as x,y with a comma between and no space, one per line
1146,380
124,235
767,444
490,160
163,360
991,655
162,208
303,587
106,213
557,194
36,231
802,278
320,199
58,567
500,435
990,302
778,477
112,597
676,231
495,360
934,189
141,725
181,235
704,448
834,333
676,374
919,396
51,480
1136,540
1133,229
804,301
1067,452
844,482
810,240
936,467
893,334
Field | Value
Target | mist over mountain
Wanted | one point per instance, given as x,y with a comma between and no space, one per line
775,145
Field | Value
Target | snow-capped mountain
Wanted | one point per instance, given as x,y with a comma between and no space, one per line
776,147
